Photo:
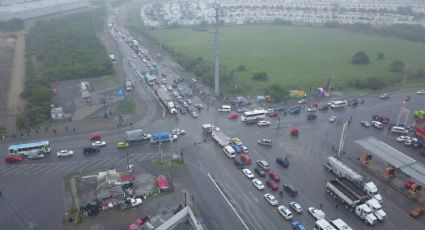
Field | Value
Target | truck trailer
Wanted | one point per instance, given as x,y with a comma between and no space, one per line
221,138
340,169
162,137
136,135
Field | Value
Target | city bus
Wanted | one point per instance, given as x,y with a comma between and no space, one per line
255,114
30,148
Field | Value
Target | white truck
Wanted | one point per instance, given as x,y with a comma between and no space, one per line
221,138
366,214
171,107
352,198
340,169
136,135
376,208
371,189
128,85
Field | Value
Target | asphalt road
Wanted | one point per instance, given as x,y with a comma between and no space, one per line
33,190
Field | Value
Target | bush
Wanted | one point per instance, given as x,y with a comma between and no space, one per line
360,58
260,76
372,83
419,74
397,66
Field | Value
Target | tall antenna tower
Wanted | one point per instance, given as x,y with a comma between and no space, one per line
217,55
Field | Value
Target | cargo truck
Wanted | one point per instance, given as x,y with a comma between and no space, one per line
136,135
377,209
128,85
221,138
162,137
341,170
352,197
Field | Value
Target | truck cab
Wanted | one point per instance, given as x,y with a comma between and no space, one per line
371,189
377,209
366,214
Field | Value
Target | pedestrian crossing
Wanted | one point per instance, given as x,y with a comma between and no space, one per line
94,164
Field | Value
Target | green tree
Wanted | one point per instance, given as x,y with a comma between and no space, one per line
380,55
360,57
260,76
21,123
397,66
277,91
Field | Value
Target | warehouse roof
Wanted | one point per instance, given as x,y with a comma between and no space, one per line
392,156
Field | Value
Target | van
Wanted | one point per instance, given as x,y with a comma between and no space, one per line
229,151
246,159
238,163
399,129
225,108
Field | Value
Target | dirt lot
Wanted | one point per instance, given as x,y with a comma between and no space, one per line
12,74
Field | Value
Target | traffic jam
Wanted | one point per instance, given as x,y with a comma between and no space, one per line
349,189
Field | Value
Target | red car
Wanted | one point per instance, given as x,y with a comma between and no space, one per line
233,116
272,184
273,175
95,137
12,159
162,182
273,114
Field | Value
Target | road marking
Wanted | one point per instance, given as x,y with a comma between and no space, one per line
71,166
253,197
15,169
54,167
101,162
228,202
32,169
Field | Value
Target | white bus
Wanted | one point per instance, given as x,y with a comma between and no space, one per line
30,148
323,224
255,114
340,225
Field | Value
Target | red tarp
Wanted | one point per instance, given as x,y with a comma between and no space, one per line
420,132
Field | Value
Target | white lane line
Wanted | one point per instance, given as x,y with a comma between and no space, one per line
72,166
84,163
228,202
32,169
55,167
15,169
10,168
100,163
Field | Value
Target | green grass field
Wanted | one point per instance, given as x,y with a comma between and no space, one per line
296,56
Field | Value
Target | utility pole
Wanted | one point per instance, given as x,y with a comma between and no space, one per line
217,55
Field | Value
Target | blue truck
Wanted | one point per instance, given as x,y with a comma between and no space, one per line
162,137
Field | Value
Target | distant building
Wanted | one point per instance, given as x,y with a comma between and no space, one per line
31,9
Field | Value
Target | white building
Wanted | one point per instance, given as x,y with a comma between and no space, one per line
33,9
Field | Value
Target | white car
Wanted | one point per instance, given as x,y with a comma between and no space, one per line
297,207
332,118
263,123
189,101
403,138
365,123
285,212
243,118
99,144
136,202
421,92
302,101
244,149
271,199
164,81
170,88
175,93
185,104
258,184
311,109
178,132
377,124
65,153
316,213
248,173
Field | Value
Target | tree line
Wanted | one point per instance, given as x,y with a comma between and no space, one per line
12,25
57,50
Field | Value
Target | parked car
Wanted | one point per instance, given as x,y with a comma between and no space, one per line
265,142
273,175
403,138
246,159
332,118
238,163
377,124
421,92
194,114
311,109
260,172
294,110
311,117
324,107
272,184
12,159
273,114
285,212
271,199
237,141
263,165
290,190
282,162
384,96
233,116
122,145
248,173
365,124
162,182
65,153
302,101
258,184
244,149
296,207
263,123
296,225
178,132
99,144
36,156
